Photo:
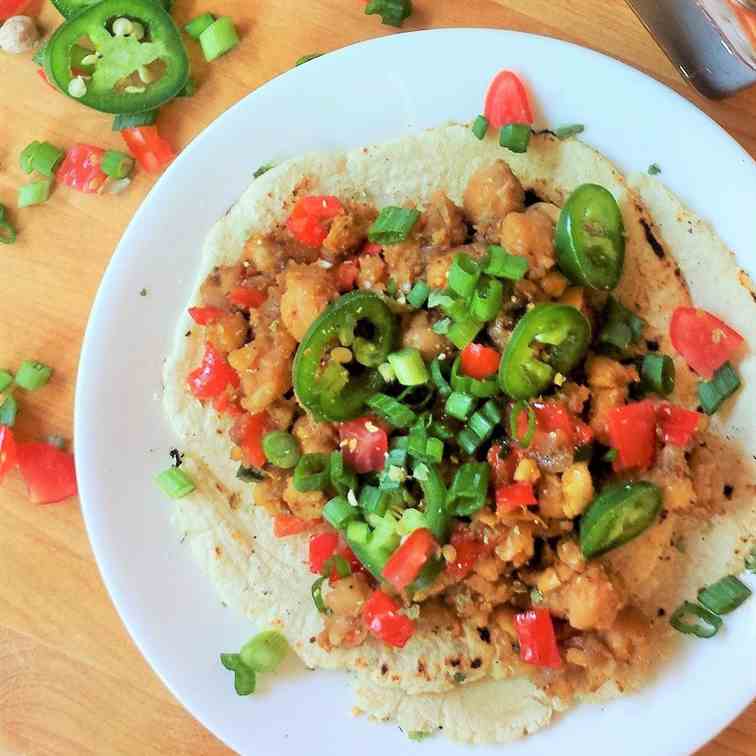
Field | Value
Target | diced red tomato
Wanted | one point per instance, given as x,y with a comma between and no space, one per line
226,404
479,361
705,341
247,433
405,563
371,248
537,639
383,619
9,8
677,425
468,550
513,496
81,170
346,275
49,473
322,547
246,297
8,451
206,315
289,525
150,150
308,220
632,432
502,468
554,417
507,101
366,444
213,374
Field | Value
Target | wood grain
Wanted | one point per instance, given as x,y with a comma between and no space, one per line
71,680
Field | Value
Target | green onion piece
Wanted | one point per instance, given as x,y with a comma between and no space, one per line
250,474
456,308
459,405
41,157
565,132
515,137
418,295
482,389
483,422
486,299
34,193
622,326
501,264
8,411
440,430
750,560
116,164
6,379
218,39
463,275
723,385
339,512
387,372
468,441
411,520
469,488
175,483
480,126
391,288
336,564
441,327
264,652
610,455
654,170
616,334
440,298
409,367
307,58
463,332
358,532
264,168
393,225
317,595
244,678
392,12
437,376
392,411
373,501
198,24
434,450
343,478
26,159
190,88
707,627
416,441
311,473
7,232
724,596
658,374
281,449
33,375
132,120
517,408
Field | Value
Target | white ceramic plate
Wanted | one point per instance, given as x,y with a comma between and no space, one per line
370,92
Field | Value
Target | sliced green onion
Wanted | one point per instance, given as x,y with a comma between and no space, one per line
409,367
469,488
705,624
515,137
6,379
336,564
311,473
343,478
245,679
723,385
724,596
486,299
463,332
317,595
514,414
750,560
34,193
463,275
198,24
219,38
358,532
459,405
392,411
264,168
654,170
565,132
7,232
418,295
307,58
658,374
393,225
501,264
392,12
610,455
175,483
391,287
440,430
437,376
264,652
622,326
468,441
41,157
281,449
483,422
373,501
133,120
339,512
387,372
456,308
441,327
250,474
8,411
480,126
33,375
411,520
116,164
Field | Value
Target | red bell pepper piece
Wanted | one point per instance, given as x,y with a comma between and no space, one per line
383,619
705,341
535,634
49,473
247,433
479,361
677,425
289,525
246,297
468,550
502,468
150,150
507,101
364,444
554,417
206,315
371,248
322,547
308,220
213,374
8,451
346,275
632,432
405,563
226,404
512,497
81,170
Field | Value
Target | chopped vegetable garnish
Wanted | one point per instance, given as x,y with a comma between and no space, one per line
382,617
151,150
213,375
418,295
198,24
308,222
133,120
116,164
218,38
507,101
724,596
409,368
8,410
537,639
501,264
460,405
33,375
654,169
565,132
480,126
34,193
7,232
41,157
49,473
705,341
175,483
750,560
392,411
6,379
311,473
317,595
622,327
392,12
523,438
722,386
676,424
265,652
244,676
393,225
515,137
262,169
307,58
692,619
247,433
658,374
632,432
81,169
281,449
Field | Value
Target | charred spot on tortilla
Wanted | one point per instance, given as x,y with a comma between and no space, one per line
652,240
728,490
485,634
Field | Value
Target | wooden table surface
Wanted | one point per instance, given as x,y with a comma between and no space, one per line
71,680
